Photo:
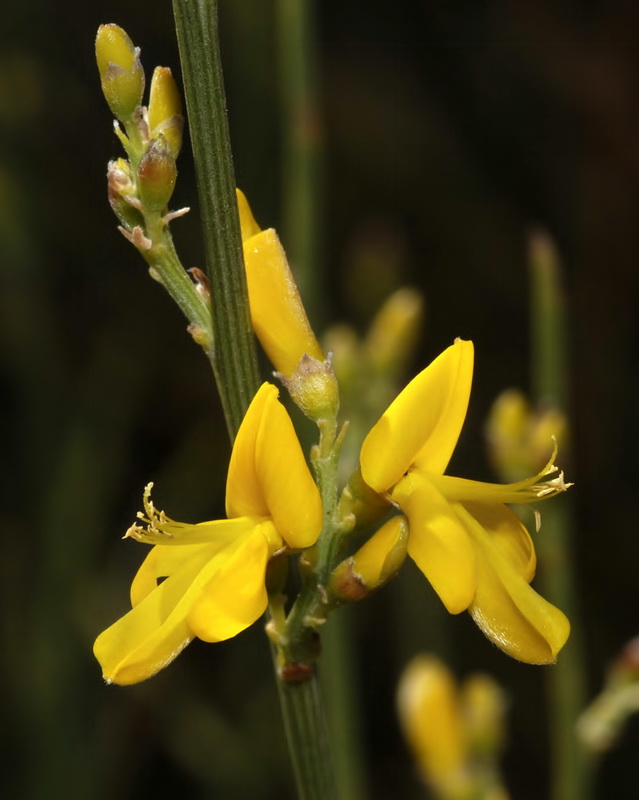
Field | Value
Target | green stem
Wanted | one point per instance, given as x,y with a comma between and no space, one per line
235,358
164,260
307,736
235,362
566,679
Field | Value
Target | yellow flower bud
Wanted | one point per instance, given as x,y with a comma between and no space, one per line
374,564
395,330
156,175
120,70
121,187
165,109
277,313
429,715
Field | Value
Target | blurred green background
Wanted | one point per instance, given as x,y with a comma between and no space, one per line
450,129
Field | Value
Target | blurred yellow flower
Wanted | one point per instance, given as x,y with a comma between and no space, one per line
472,548
214,572
455,733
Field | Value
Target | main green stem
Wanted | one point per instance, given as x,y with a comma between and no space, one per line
566,679
234,362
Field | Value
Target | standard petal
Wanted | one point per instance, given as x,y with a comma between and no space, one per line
234,595
153,633
438,542
291,495
244,496
509,611
277,312
422,425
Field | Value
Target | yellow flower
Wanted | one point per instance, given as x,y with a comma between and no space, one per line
429,713
213,572
454,732
278,315
472,548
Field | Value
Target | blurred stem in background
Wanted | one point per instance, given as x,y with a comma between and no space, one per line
235,369
301,128
571,769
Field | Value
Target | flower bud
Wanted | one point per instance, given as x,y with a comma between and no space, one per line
373,565
121,187
120,70
157,174
395,330
165,109
278,316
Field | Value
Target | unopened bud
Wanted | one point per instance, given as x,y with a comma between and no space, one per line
120,70
157,174
277,313
395,330
373,565
165,109
121,192
313,388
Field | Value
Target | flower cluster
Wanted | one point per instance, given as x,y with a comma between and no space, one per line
209,580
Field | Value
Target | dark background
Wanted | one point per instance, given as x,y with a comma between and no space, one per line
450,129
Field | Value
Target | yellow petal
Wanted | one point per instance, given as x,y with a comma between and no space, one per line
244,496
153,633
166,618
422,425
509,611
159,563
509,535
438,543
292,497
248,225
278,316
268,475
235,595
